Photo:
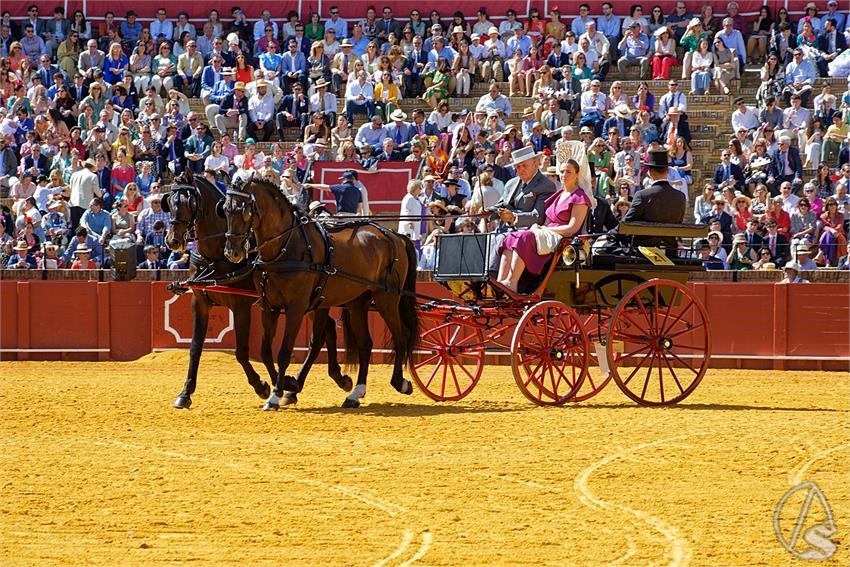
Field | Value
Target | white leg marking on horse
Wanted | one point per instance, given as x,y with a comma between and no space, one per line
358,392
273,399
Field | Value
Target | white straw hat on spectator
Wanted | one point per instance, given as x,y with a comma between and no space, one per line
492,31
457,29
398,114
694,22
233,37
793,266
21,245
661,31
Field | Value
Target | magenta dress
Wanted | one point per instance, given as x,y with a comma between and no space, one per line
524,243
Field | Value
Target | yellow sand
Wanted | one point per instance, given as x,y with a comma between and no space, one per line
98,469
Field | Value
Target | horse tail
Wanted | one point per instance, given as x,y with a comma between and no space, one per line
407,305
351,353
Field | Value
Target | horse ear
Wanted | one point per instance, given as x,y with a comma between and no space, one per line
166,203
219,209
187,174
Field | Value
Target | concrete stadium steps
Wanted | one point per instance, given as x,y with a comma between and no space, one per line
709,116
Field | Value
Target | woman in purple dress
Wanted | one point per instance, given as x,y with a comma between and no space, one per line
566,211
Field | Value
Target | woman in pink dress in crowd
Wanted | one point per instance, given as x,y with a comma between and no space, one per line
566,211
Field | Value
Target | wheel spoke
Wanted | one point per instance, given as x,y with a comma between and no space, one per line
679,316
443,385
660,379
635,353
669,308
673,373
427,361
533,372
646,380
652,329
434,373
689,347
454,377
655,307
682,361
463,367
683,331
638,367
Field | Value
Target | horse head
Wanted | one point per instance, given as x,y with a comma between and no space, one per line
182,206
247,202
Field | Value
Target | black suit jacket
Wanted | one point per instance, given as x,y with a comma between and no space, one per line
601,218
840,42
388,27
777,171
165,152
781,249
682,129
43,165
301,107
754,241
423,59
734,170
659,203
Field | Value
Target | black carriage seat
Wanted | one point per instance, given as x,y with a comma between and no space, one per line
628,254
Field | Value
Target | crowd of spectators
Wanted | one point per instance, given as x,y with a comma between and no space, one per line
96,118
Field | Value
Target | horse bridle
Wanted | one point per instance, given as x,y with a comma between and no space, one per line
192,195
247,209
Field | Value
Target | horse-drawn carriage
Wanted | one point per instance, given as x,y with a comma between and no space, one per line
629,312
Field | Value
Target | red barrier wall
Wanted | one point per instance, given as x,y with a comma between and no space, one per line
754,324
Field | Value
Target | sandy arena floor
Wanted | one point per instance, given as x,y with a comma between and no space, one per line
97,469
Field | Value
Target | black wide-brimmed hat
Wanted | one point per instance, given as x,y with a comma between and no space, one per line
657,159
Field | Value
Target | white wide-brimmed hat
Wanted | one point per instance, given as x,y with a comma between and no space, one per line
525,153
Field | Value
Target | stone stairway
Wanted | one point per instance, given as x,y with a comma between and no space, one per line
709,116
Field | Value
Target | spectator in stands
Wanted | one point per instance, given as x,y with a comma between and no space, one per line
84,188
786,166
359,98
190,65
261,113
635,48
744,116
833,239
799,78
152,261
21,259
294,110
97,221
371,133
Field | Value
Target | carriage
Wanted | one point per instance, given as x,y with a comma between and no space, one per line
630,313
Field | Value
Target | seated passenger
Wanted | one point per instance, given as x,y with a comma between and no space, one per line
565,212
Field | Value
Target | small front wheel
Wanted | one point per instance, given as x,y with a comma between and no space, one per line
549,353
449,361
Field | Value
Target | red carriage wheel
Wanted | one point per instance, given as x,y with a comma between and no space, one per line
450,360
596,326
659,343
549,353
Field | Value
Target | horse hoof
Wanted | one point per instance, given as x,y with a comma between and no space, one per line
289,398
182,402
290,384
405,387
346,383
349,403
263,390
270,406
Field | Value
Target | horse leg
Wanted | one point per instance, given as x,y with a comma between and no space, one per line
269,318
334,369
293,317
242,321
388,307
317,339
357,329
201,306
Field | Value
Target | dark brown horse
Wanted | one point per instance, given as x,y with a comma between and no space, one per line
302,268
191,205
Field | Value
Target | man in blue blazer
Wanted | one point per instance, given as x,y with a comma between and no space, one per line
294,69
785,165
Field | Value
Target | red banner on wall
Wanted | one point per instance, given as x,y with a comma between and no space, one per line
385,187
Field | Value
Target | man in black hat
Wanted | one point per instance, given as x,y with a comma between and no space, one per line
659,203
349,200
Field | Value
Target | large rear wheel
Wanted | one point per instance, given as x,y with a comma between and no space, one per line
549,353
659,343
